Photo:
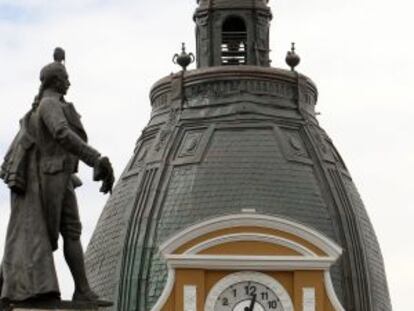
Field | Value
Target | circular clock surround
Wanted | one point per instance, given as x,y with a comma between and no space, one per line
253,277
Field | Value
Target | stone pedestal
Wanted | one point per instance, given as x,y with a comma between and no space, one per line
55,306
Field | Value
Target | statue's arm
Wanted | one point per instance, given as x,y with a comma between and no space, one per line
55,120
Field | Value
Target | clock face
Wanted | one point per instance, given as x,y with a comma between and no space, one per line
248,291
248,296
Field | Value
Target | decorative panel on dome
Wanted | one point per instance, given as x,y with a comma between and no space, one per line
193,144
293,145
328,150
141,154
338,159
163,136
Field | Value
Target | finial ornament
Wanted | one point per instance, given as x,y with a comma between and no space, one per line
59,55
292,59
184,59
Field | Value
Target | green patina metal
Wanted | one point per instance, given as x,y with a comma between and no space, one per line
223,138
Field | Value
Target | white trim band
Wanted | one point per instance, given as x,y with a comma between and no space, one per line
252,220
264,263
166,293
333,298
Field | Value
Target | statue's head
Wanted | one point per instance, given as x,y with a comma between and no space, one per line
54,75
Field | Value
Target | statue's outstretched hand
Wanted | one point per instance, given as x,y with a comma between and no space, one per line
104,172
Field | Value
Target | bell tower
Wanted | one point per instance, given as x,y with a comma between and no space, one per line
232,32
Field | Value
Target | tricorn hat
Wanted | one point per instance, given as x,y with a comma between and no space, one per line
55,69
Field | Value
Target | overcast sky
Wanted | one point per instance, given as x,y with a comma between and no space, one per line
359,53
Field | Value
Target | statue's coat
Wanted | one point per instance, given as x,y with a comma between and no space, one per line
33,231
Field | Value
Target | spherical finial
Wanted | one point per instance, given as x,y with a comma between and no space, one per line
184,59
59,55
292,59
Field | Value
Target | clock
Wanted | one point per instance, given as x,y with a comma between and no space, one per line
248,291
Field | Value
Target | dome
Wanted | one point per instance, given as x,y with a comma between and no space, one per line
244,140
233,179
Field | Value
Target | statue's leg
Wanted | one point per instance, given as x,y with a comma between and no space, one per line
72,248
74,257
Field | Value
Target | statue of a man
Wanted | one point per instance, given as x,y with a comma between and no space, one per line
40,170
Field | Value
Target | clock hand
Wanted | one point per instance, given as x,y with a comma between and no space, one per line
252,303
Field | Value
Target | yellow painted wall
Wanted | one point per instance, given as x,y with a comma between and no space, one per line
292,281
261,230
249,248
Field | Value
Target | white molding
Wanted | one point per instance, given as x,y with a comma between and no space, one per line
308,299
257,237
166,293
309,260
255,220
330,290
190,297
237,277
264,263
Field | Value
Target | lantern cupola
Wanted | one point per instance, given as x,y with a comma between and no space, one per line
232,32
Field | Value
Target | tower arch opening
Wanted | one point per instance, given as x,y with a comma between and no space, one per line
234,41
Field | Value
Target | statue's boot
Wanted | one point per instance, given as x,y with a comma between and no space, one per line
91,297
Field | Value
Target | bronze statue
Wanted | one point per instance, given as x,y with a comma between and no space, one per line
40,168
